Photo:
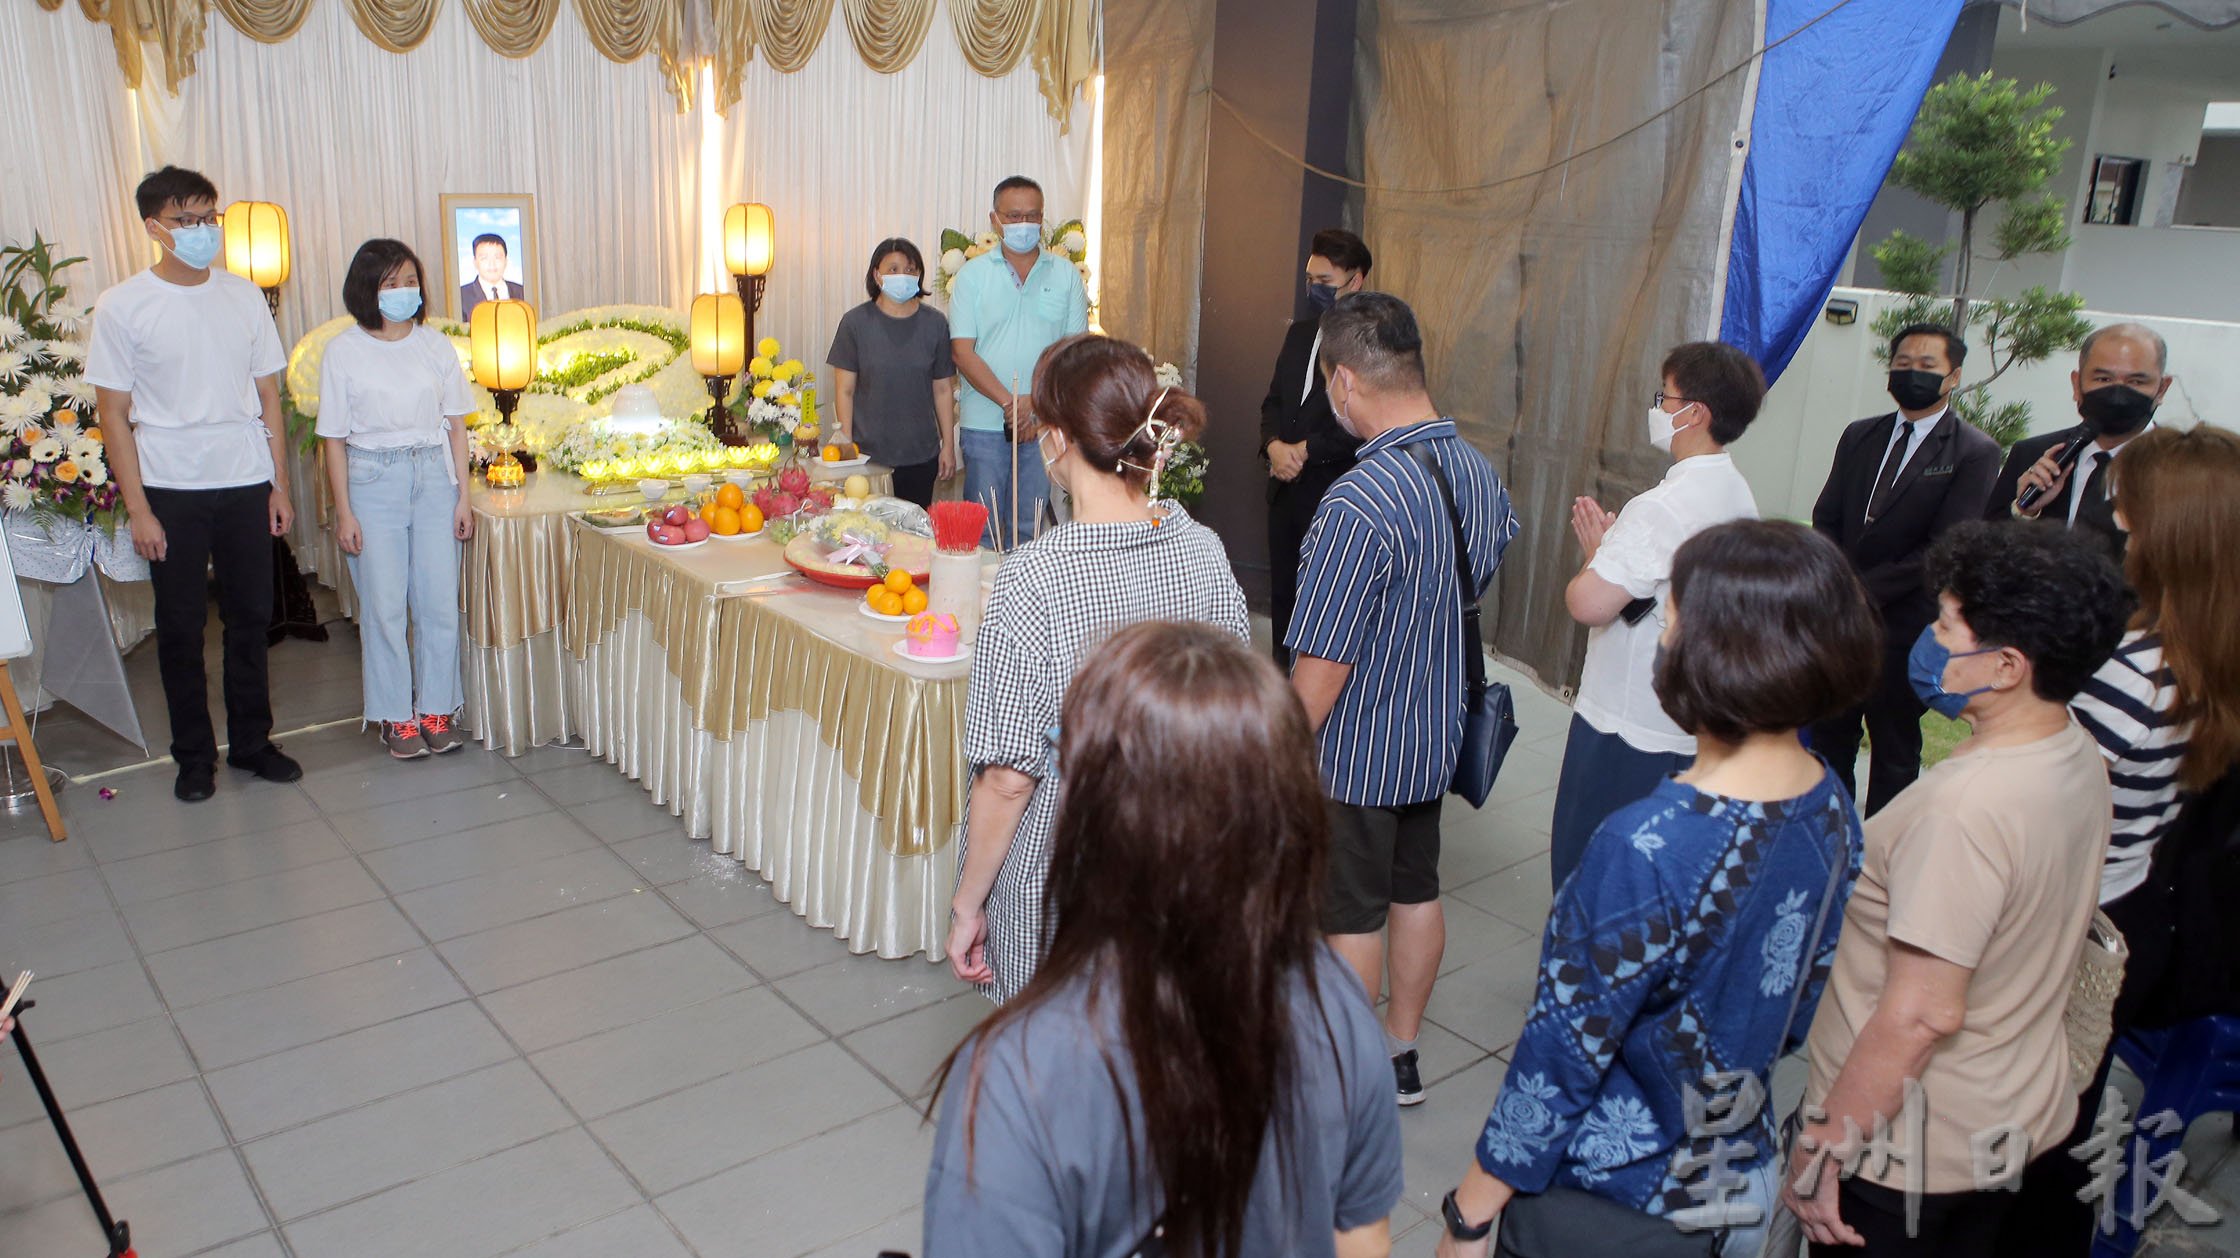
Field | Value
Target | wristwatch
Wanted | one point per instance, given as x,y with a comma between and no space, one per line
1459,1228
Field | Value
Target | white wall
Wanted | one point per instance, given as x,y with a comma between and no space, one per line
1835,379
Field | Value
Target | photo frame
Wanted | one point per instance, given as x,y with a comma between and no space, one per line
474,225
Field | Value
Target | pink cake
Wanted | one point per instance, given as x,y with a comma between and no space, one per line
932,635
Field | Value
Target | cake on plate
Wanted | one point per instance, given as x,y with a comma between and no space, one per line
932,636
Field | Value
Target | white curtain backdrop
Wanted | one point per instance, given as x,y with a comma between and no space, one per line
845,157
357,142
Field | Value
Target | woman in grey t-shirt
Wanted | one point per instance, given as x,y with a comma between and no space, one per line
1188,1013
892,375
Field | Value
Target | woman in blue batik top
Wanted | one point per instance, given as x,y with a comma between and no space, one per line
1673,952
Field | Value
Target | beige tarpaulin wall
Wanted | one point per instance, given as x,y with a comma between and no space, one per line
1547,301
1158,72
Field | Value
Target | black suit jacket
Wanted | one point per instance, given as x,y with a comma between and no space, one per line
470,295
1283,417
2096,512
1945,482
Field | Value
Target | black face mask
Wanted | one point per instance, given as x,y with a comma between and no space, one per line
2115,410
1916,390
1322,296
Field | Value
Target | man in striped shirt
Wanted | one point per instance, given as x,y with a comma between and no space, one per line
1377,643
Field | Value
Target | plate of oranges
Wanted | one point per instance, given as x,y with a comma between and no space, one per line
730,517
895,599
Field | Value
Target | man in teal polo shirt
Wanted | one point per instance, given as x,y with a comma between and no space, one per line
1006,307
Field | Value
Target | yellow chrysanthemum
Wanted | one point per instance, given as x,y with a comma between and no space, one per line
66,471
791,369
767,347
762,388
759,368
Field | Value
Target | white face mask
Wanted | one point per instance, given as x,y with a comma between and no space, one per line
1042,447
1662,426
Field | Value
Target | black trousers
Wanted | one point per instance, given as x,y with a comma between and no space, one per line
1892,714
1291,507
1953,1225
227,532
914,483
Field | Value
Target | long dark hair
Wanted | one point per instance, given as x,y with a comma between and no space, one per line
2179,491
1185,872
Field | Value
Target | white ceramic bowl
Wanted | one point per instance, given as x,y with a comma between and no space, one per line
697,484
653,488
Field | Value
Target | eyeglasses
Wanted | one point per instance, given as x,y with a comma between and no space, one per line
1664,397
211,219
1028,216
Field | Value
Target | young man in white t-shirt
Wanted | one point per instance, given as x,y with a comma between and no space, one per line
1622,743
186,364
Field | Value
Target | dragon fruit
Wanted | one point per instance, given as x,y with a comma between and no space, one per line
793,480
782,504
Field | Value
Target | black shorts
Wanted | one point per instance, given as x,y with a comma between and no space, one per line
1379,857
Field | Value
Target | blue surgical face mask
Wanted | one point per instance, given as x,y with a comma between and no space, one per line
399,304
899,287
1925,666
197,246
1322,296
1022,237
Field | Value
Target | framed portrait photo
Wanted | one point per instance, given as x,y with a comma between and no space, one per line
490,242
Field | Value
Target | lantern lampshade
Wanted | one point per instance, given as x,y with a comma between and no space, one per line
750,239
719,334
256,236
503,338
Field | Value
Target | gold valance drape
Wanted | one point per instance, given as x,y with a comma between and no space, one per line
790,30
887,33
266,21
625,30
397,25
512,28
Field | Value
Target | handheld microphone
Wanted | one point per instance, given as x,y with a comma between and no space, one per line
2064,459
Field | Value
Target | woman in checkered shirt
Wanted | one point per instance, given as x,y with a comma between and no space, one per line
1102,425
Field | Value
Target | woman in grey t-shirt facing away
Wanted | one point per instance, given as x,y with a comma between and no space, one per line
1190,1061
893,379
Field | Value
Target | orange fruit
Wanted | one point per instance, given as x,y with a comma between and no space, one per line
731,496
889,604
723,520
899,581
750,519
913,602
832,454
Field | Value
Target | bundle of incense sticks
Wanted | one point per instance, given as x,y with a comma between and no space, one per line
957,525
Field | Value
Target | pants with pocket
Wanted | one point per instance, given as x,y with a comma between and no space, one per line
407,574
987,480
224,534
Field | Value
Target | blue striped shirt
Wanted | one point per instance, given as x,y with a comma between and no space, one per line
1377,591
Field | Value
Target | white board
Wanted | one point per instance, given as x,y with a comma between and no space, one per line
15,632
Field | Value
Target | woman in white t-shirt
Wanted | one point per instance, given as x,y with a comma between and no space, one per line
391,394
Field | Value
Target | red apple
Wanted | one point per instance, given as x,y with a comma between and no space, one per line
676,516
654,529
696,531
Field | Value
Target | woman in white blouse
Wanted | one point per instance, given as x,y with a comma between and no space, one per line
391,394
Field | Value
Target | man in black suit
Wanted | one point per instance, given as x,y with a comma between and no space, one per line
1898,481
2120,378
1305,449
489,282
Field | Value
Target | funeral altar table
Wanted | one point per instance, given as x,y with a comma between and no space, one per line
779,722
520,685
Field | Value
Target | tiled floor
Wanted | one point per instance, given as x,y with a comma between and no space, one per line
480,1006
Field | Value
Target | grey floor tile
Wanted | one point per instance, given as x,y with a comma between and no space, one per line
713,1126
1442,1054
402,1138
563,941
190,1206
120,1138
55,897
155,822
853,993
1437,1138
904,1233
548,758
262,1245
1519,893
337,746
268,957
809,1195
605,1072
195,916
31,854
355,786
629,816
222,861
527,890
1467,1002
639,1232
665,858
907,1050
237,1029
1473,935
491,849
484,1208
719,896
263,1096
780,944
102,1066
427,816
88,1000
53,949
585,783
616,992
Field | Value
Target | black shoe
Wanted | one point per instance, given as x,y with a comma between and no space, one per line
1406,1080
268,764
197,782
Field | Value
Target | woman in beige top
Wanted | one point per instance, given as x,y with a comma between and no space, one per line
1943,1016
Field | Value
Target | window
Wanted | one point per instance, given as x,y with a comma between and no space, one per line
2115,191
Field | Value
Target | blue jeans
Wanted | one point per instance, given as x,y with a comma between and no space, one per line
407,573
987,480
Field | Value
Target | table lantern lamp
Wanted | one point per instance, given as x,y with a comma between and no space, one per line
720,335
256,240
750,245
503,340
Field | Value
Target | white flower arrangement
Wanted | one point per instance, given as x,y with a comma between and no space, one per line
54,463
1069,238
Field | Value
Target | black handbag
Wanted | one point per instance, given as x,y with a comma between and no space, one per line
1574,1223
1489,713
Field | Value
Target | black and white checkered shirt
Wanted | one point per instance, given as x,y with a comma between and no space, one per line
1055,599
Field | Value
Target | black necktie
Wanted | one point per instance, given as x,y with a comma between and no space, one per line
2095,486
1892,464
